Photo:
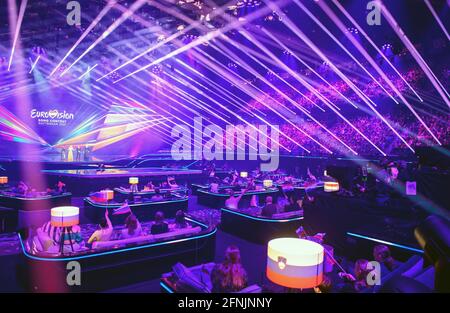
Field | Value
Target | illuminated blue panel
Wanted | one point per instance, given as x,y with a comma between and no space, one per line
112,205
385,242
262,219
117,251
169,290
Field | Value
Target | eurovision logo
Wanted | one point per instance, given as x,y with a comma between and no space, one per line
52,117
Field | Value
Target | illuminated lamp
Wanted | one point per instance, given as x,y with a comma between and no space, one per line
134,180
267,183
107,195
295,263
331,186
64,217
3,180
244,174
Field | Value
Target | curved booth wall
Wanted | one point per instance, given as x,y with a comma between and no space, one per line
144,210
259,229
217,199
111,265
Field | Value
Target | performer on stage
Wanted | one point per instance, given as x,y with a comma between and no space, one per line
63,154
70,154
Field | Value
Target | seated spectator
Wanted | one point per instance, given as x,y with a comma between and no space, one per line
233,202
230,275
159,226
164,185
269,208
172,183
51,231
382,254
60,187
254,201
132,227
318,237
105,231
22,188
310,176
180,220
214,187
251,184
157,196
325,286
149,186
358,282
282,201
293,204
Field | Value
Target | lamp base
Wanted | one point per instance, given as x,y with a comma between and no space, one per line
62,239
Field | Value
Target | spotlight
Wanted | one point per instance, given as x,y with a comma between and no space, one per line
157,69
38,50
353,30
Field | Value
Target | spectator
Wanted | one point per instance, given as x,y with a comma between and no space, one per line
269,208
180,219
358,282
230,275
105,230
233,202
157,196
159,226
132,227
382,254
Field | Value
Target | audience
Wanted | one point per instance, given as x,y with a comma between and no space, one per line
132,227
269,208
157,196
22,188
172,183
382,254
180,219
105,231
282,200
60,187
232,202
149,186
293,204
159,226
358,282
230,275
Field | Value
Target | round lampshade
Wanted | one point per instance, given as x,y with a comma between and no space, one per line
3,179
107,194
65,216
295,263
244,174
267,183
134,180
330,186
